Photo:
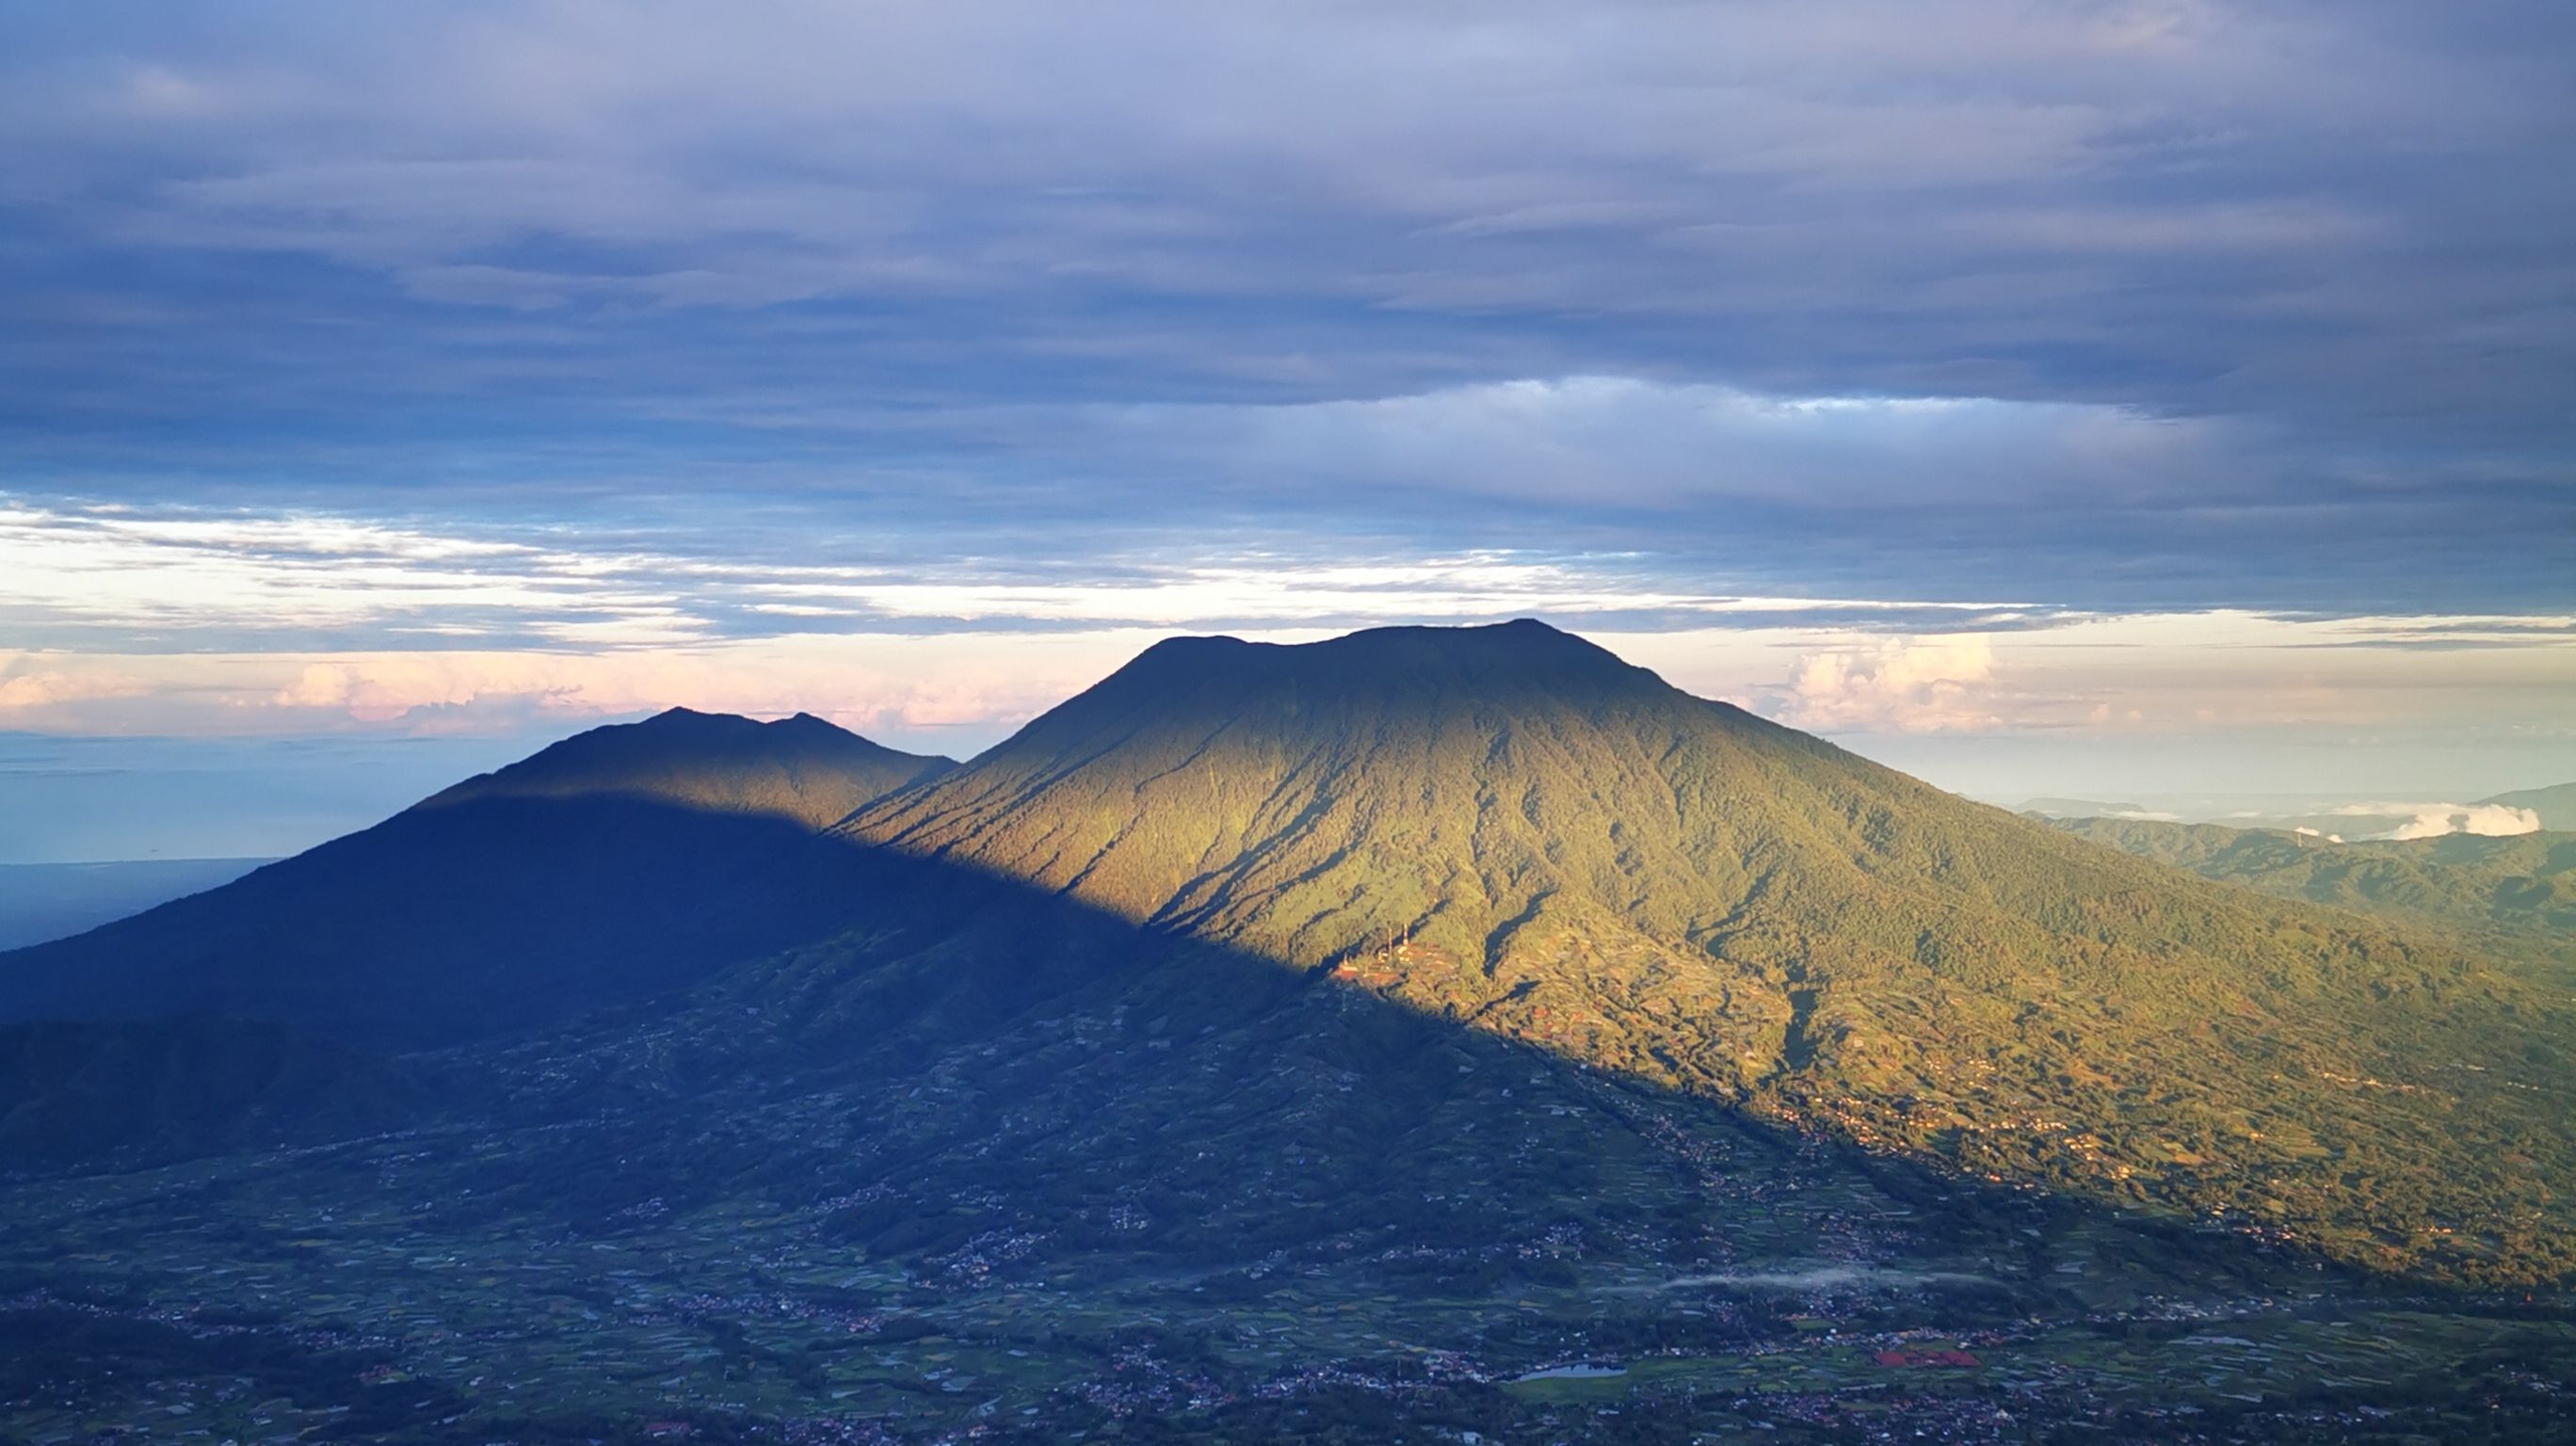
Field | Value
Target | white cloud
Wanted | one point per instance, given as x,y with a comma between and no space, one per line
140,574
26,686
1286,590
96,572
2434,820
1661,445
202,621
1895,685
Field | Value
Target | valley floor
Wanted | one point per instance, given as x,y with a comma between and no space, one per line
358,1292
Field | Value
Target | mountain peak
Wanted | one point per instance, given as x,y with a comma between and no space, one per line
802,767
1303,799
678,717
1488,659
1509,827
618,862
1523,646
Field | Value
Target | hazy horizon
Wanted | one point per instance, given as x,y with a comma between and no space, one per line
95,799
2122,396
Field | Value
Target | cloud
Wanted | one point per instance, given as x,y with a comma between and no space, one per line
93,574
670,339
432,695
1911,685
27,689
2320,212
2434,820
1621,442
80,571
2122,306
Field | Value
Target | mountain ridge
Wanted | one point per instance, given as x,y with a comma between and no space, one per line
2555,804
2518,885
626,861
800,767
1508,827
1351,1034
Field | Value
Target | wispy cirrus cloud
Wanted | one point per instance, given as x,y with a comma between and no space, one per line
113,577
176,577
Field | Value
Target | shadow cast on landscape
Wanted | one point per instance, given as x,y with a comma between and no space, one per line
459,922
962,1056
983,1086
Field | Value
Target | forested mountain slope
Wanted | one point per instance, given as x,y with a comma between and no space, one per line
2519,884
1510,828
801,768
2555,804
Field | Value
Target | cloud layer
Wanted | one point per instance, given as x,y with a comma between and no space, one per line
2435,820
2129,303
2104,369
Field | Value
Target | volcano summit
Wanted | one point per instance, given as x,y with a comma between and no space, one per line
1278,1041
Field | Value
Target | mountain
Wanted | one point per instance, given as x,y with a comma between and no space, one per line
2556,805
1510,829
2520,884
1505,829
801,769
1424,1032
54,901
627,861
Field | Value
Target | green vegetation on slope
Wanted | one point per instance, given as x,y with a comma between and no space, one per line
999,1160
1306,1044
2522,886
2555,804
801,768
1509,828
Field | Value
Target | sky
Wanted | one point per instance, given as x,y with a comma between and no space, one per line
2077,398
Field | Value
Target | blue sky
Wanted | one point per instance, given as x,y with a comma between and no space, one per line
1992,382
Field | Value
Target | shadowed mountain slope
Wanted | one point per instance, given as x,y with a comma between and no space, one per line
1345,1032
1509,827
622,863
1096,1173
72,1092
39,902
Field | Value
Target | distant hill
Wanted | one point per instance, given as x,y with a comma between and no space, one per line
624,862
1510,829
2556,805
801,769
54,901
2521,883
2083,808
